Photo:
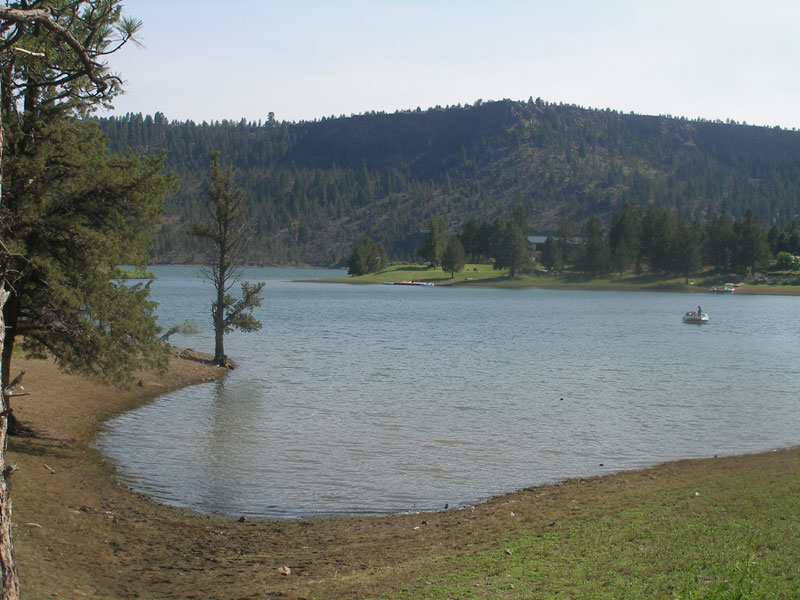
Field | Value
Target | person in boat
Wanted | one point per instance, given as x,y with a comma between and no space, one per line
699,311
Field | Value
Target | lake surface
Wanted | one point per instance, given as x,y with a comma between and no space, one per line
374,399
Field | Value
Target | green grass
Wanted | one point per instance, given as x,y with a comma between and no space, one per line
136,274
402,272
734,537
484,274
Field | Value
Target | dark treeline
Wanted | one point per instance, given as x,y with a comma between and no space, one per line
502,241
654,240
314,188
638,240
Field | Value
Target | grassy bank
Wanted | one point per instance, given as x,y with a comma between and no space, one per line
137,274
715,528
725,528
484,274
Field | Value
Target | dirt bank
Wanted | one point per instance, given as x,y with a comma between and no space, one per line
81,534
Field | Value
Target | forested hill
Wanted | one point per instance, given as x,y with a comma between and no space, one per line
315,187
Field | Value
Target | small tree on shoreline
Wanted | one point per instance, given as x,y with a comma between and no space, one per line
453,257
434,241
226,231
366,257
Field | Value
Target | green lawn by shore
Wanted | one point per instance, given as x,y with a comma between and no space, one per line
719,533
729,532
484,274
137,274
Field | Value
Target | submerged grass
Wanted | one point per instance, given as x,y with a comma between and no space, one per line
730,537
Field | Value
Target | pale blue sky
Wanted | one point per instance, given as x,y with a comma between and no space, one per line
305,59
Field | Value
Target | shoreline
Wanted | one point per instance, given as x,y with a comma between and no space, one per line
600,285
578,282
79,531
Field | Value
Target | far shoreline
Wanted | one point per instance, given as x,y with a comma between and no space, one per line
596,286
569,281
484,275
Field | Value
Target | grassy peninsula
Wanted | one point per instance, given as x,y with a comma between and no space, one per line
723,527
137,274
484,274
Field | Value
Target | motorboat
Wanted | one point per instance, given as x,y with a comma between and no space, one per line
696,317
728,289
416,282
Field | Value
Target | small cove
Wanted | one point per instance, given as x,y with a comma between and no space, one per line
375,399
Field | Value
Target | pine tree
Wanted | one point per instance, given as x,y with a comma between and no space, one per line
366,257
751,243
225,230
53,67
453,257
549,255
73,213
434,242
593,257
686,249
511,243
623,238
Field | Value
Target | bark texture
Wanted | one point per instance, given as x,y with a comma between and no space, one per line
9,582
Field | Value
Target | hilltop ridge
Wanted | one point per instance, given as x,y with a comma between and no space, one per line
314,187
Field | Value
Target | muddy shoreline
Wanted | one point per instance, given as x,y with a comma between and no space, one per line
79,532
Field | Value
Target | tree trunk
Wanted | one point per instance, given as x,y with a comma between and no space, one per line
219,350
219,328
1,147
10,317
9,583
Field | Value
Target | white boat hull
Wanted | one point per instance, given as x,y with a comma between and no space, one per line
695,318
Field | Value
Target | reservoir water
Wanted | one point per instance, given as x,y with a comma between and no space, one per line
375,399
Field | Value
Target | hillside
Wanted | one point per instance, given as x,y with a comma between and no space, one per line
315,187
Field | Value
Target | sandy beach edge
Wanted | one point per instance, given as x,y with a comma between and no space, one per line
80,532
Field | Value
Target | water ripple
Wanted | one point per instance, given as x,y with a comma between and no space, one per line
365,399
